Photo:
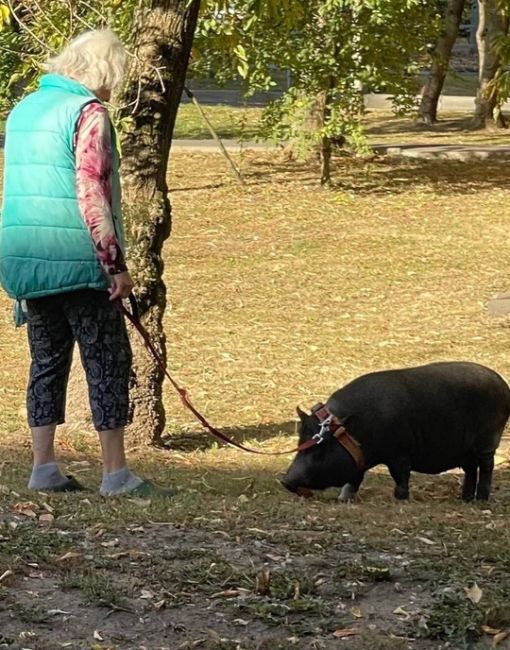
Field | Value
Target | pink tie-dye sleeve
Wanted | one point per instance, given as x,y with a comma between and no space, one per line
93,151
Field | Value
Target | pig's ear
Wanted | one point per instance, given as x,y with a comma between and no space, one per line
302,415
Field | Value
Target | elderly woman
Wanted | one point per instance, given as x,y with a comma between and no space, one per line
62,254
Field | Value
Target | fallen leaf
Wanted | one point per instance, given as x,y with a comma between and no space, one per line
146,594
111,543
426,540
97,635
356,612
70,555
47,519
400,611
5,575
501,636
242,498
142,503
345,632
473,593
131,553
262,582
56,612
27,509
160,604
275,558
228,593
490,630
137,529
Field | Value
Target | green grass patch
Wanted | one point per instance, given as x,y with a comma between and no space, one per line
229,122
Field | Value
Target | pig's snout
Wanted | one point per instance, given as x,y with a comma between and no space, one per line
295,489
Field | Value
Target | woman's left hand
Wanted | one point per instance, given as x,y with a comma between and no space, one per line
122,286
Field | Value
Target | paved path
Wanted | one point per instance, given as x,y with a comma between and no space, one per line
372,100
448,151
211,146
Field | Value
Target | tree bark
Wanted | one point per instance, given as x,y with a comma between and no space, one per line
493,22
325,152
163,40
434,85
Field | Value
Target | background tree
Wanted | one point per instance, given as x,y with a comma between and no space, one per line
440,60
332,49
491,37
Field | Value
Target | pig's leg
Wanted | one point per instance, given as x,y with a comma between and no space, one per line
486,465
470,467
400,470
349,491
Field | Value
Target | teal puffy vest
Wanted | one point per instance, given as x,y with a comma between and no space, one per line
45,247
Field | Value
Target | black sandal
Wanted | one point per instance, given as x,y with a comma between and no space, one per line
70,485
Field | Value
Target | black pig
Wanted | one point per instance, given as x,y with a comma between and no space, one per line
427,419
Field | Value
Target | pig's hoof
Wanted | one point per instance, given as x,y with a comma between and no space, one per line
347,494
401,494
467,497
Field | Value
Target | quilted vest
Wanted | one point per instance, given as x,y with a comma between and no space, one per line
45,247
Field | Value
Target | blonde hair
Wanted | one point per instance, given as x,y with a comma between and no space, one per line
97,59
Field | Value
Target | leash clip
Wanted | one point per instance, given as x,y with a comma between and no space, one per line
323,430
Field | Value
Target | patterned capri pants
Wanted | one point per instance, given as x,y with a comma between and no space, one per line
89,318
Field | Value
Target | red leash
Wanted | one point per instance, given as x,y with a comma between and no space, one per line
134,319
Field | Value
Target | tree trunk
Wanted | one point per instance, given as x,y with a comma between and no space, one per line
434,85
325,161
163,40
326,140
492,23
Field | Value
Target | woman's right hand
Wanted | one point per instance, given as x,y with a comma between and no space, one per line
122,285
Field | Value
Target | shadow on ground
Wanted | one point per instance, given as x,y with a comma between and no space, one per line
201,440
382,175
444,126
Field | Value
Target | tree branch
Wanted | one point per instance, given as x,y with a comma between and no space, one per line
27,29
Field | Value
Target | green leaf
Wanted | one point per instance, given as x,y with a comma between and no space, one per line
5,16
241,52
243,69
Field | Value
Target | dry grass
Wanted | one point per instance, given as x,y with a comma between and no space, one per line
280,292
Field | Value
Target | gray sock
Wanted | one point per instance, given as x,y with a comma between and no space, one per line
119,482
46,476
